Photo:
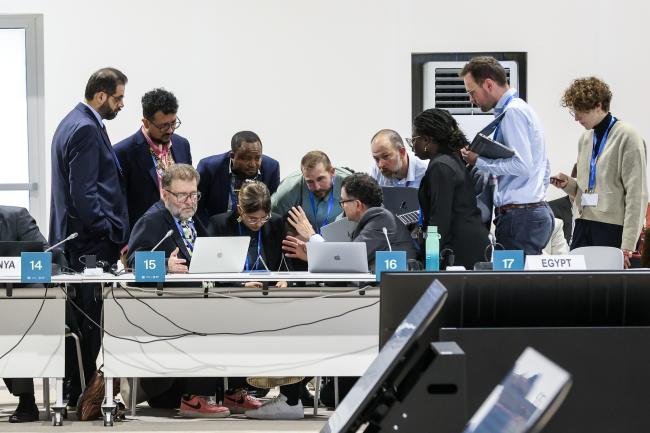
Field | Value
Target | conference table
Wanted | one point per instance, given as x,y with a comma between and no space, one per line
201,325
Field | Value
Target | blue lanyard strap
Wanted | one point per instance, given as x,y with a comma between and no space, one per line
259,245
595,153
329,207
501,110
189,244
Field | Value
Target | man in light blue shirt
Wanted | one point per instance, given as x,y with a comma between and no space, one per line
523,219
394,166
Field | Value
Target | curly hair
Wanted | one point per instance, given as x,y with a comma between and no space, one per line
442,128
254,196
158,100
364,188
584,94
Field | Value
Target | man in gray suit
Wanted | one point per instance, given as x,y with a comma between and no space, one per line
16,224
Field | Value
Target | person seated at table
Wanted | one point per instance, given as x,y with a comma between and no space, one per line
361,200
176,211
253,218
222,175
16,224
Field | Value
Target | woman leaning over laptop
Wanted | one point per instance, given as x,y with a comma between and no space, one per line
253,218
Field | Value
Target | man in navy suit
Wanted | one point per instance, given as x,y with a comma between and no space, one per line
222,175
145,155
89,198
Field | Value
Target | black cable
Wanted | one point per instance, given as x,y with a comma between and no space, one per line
175,337
38,313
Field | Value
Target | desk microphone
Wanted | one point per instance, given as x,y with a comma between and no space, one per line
168,234
72,236
385,230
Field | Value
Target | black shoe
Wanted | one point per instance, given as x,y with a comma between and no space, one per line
25,413
71,393
306,398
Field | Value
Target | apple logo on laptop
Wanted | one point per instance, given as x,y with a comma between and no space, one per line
337,257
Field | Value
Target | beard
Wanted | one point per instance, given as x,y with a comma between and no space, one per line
392,174
107,112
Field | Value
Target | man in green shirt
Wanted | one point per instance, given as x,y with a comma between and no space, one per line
316,188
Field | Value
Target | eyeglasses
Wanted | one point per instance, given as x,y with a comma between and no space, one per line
411,141
255,220
167,126
471,92
342,202
183,196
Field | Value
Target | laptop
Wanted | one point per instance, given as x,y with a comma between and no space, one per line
14,248
332,257
338,231
219,254
403,202
526,399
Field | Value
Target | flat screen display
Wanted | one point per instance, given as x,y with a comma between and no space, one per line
405,336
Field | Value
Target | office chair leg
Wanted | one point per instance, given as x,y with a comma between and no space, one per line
46,396
336,392
316,394
82,375
134,395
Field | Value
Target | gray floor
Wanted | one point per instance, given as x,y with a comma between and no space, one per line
156,420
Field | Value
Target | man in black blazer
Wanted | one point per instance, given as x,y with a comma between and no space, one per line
176,212
16,224
147,153
222,175
89,198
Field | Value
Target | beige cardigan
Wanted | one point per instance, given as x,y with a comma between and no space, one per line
621,182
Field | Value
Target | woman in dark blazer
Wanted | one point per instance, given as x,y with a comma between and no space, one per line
446,195
253,218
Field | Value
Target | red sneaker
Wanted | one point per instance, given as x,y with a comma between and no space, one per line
202,407
240,402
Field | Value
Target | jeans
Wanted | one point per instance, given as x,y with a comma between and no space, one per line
526,229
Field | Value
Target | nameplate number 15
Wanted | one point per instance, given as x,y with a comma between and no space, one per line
149,266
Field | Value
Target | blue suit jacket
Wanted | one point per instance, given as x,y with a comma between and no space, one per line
215,182
140,173
88,191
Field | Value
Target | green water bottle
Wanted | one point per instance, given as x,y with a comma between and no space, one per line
432,249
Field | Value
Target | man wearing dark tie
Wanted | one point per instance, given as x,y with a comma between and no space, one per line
145,155
89,198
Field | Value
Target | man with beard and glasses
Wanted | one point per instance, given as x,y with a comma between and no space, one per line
176,211
316,188
222,175
394,165
145,155
88,198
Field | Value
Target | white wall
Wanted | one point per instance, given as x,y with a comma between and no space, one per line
327,74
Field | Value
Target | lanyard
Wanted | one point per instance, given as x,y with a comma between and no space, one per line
329,207
505,104
595,153
188,244
259,244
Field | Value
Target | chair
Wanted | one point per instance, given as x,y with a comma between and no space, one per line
601,258
82,376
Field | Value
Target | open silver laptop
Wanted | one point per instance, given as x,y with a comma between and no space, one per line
338,231
332,257
219,254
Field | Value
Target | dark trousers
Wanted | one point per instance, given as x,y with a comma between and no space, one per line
20,386
90,303
526,229
596,234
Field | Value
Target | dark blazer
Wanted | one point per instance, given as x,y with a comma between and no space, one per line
448,201
215,181
16,224
370,230
142,189
152,227
88,191
226,224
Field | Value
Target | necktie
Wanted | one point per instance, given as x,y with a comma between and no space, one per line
189,235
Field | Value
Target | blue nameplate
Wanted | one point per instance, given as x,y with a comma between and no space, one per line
150,266
508,260
389,261
36,267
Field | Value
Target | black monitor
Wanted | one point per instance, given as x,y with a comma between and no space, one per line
525,400
391,365
14,248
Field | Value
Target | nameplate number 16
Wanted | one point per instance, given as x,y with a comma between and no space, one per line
389,261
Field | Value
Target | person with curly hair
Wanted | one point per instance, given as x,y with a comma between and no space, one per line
447,196
610,189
